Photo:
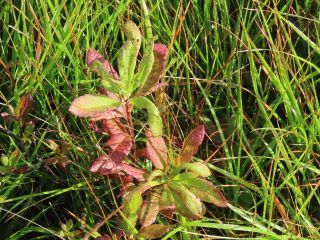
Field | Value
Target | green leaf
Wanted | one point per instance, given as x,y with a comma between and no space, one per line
5,160
128,55
200,169
166,197
153,231
154,118
132,205
186,203
205,190
144,68
92,105
107,80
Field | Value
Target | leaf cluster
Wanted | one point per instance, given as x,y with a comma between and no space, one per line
175,185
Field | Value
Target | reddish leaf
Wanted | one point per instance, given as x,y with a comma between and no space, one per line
110,165
157,150
61,161
153,231
167,211
149,211
132,171
93,55
24,106
120,144
126,183
160,52
104,165
155,88
190,145
109,114
120,141
141,153
92,105
8,117
113,126
20,170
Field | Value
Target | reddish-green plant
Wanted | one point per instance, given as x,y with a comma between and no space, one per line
120,94
173,185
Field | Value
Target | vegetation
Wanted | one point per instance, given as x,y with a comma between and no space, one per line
240,77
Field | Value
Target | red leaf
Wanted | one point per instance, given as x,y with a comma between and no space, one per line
24,106
190,145
160,52
132,171
157,150
108,165
104,166
109,114
120,144
93,55
120,141
167,211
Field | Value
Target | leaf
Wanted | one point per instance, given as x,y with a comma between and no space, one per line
131,206
121,145
186,203
61,161
205,190
110,81
153,231
133,203
160,52
155,88
120,140
93,56
107,80
128,55
92,105
157,150
110,165
154,118
166,198
144,69
149,211
25,106
190,145
104,165
132,171
200,169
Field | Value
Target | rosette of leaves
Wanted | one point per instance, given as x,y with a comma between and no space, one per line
174,186
120,93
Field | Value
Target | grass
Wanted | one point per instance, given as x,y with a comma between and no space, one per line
248,69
